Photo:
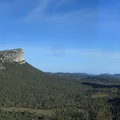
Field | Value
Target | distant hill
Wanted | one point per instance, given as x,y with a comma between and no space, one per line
70,75
112,75
79,76
116,75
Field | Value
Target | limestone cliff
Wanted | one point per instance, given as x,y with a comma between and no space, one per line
14,55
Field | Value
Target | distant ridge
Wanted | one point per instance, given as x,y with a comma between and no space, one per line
116,75
82,75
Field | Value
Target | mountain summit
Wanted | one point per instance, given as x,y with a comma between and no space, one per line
14,55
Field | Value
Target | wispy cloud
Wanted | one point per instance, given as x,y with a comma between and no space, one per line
40,12
72,16
45,10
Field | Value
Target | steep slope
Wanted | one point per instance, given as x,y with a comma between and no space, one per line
22,85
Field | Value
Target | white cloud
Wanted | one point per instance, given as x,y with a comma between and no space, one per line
39,11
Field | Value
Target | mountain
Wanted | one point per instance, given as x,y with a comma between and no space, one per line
23,86
27,93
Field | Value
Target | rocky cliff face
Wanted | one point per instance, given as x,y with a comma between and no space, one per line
15,55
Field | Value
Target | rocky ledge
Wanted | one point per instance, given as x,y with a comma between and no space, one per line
14,55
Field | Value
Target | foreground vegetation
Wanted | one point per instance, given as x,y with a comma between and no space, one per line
30,94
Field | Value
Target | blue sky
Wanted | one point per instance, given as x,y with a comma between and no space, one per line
64,35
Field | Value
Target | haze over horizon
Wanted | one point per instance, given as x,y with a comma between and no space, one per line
64,35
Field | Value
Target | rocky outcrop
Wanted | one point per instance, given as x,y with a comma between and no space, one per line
14,55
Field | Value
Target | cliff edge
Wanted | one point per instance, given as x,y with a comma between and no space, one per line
14,55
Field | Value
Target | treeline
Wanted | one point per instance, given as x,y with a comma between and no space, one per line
94,109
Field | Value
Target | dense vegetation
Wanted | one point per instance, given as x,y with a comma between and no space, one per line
30,94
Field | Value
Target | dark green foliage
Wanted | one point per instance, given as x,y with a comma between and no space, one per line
13,115
108,80
23,86
70,114
95,85
92,110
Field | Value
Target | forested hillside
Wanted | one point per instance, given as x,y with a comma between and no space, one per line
30,94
